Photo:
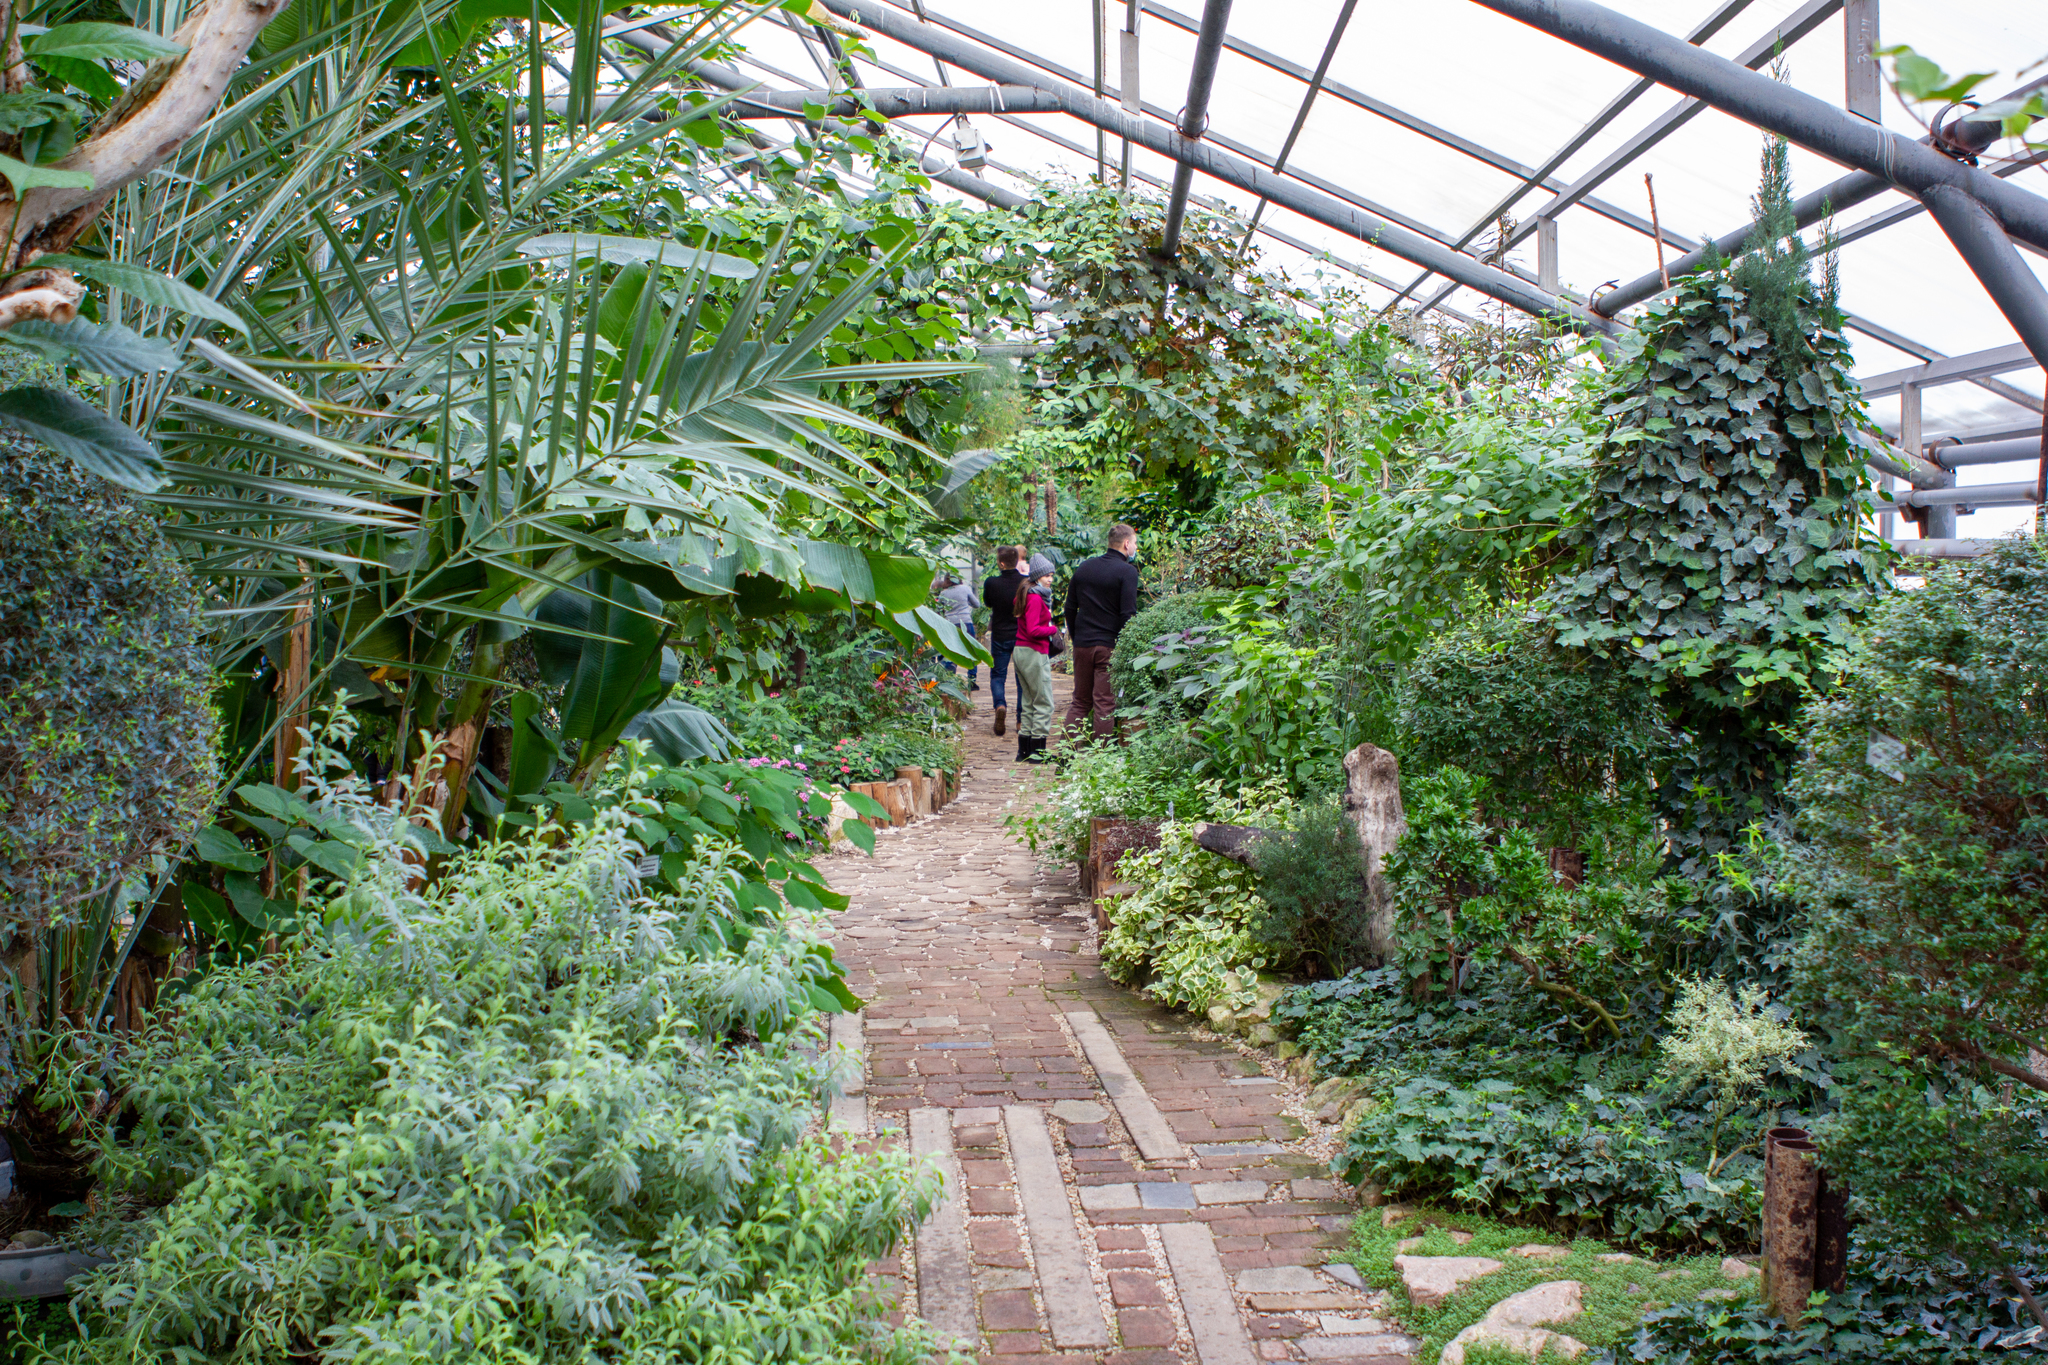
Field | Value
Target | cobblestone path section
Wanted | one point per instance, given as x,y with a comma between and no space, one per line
986,1002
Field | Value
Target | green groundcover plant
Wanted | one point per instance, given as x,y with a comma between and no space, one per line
1195,918
540,1109
1909,1311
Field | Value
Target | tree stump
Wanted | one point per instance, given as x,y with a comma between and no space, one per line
1372,798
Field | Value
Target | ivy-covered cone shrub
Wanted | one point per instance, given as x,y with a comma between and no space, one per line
1923,864
107,736
1723,556
543,1111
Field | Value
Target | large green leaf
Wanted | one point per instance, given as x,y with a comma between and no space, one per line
105,348
923,625
637,251
151,286
902,582
534,750
100,41
611,679
838,568
71,426
677,732
24,177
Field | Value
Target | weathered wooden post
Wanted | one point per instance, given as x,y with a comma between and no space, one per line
1372,798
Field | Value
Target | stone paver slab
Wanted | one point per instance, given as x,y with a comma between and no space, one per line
1072,1308
945,1283
1205,1296
1147,1126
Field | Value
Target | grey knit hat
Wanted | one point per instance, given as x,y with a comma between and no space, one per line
1040,567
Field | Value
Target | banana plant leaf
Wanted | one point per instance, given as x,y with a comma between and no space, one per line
677,732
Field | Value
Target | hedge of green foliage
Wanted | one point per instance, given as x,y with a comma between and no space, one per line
1141,638
1550,730
539,1110
107,738
1923,803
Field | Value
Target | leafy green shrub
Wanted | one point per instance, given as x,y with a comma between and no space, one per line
1465,892
1368,1023
1314,890
1469,524
1593,1161
107,736
1183,615
1194,916
1152,777
1559,737
1923,863
537,1110
1890,1309
1268,711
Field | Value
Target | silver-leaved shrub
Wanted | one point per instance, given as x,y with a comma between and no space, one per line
541,1110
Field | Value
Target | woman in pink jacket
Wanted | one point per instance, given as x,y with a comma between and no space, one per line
1033,660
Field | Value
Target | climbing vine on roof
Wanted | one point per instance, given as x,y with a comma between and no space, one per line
1202,357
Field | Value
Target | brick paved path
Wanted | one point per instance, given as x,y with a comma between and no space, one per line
982,1048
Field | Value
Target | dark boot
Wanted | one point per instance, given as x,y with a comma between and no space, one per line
1037,754
1024,750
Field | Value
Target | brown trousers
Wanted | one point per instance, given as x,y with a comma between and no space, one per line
1092,691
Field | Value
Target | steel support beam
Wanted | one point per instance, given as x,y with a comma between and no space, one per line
1792,114
1389,237
1308,104
1805,20
907,102
1965,134
1976,495
1994,260
1944,549
1194,116
1796,26
1953,369
1863,84
1987,452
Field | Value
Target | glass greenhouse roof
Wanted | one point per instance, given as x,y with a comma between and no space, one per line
1434,115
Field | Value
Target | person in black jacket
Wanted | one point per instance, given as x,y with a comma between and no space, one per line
1101,598
999,595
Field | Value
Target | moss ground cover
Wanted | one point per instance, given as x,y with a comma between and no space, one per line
1617,1292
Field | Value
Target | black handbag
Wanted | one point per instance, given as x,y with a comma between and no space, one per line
1057,645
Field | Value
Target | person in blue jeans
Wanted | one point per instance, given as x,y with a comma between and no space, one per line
999,595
